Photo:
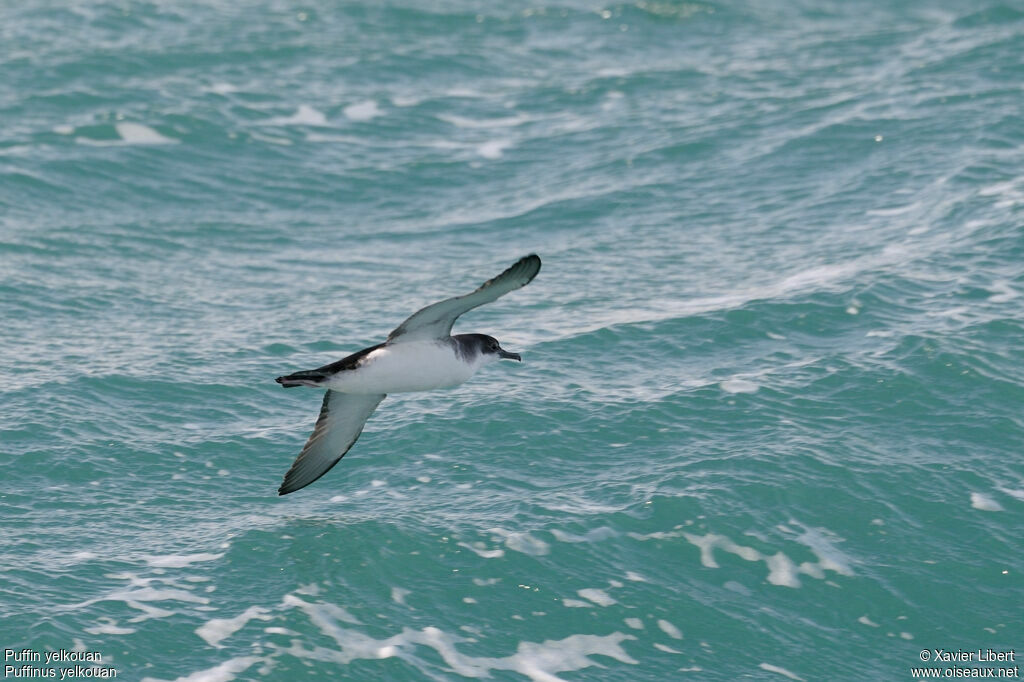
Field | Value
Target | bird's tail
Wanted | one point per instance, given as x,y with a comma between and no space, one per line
310,377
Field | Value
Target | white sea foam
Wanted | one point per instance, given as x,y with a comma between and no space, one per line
139,593
781,569
213,631
780,670
482,551
1004,292
985,502
599,597
1016,493
540,662
325,610
502,122
576,604
815,278
522,542
830,558
493,149
108,626
894,211
594,535
398,595
739,386
670,629
179,560
224,672
272,139
634,623
305,115
222,88
362,111
136,133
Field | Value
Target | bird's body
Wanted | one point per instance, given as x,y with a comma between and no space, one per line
401,368
419,355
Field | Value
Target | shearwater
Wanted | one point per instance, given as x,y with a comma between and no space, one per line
419,355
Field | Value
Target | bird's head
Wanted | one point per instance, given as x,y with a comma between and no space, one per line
490,349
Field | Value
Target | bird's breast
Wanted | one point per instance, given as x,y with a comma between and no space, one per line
405,367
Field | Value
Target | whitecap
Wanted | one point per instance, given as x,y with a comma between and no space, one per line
362,111
222,88
670,629
540,662
136,133
522,542
503,122
224,672
482,551
1012,492
782,570
1004,292
213,631
305,115
780,670
599,597
984,502
894,211
398,595
739,386
108,626
576,604
593,535
494,149
402,101
272,139
179,560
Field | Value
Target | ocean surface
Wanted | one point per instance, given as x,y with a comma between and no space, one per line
768,423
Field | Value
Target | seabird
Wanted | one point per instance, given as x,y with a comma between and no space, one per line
419,355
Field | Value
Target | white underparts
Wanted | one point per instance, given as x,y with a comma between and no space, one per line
405,367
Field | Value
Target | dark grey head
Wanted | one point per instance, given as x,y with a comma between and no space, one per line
471,345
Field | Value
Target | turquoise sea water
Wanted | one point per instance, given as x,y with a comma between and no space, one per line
768,422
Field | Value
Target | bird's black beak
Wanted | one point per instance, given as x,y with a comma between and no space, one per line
502,353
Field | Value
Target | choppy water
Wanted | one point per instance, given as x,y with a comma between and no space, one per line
768,423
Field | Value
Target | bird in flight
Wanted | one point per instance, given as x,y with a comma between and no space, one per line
419,355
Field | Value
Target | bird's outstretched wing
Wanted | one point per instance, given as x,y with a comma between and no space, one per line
435,321
341,420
